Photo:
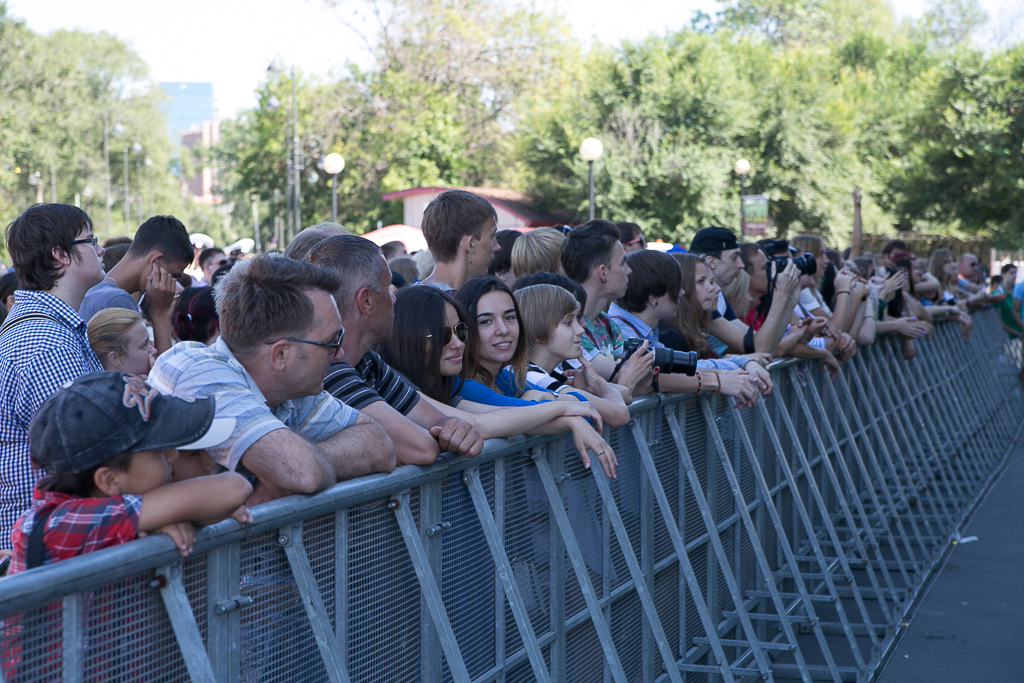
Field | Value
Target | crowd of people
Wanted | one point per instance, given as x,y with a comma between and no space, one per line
157,383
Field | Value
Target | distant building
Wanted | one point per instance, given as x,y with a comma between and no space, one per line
512,207
191,124
201,185
187,106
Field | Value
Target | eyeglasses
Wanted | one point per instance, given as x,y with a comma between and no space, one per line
334,346
637,240
91,240
460,329
222,262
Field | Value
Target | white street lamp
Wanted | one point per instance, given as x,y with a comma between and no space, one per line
591,150
333,164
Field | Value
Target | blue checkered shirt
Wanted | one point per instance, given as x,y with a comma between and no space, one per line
36,358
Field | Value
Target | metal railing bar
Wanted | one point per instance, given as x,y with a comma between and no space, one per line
851,486
819,500
782,542
716,543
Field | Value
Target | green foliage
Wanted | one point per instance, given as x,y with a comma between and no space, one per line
57,93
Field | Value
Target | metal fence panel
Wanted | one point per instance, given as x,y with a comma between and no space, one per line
785,541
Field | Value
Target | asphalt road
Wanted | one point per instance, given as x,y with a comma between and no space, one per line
969,625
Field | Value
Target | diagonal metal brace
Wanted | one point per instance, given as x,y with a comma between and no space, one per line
430,588
503,567
290,537
183,621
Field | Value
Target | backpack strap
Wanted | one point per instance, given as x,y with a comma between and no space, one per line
36,551
11,322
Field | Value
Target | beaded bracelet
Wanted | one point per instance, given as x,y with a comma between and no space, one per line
700,383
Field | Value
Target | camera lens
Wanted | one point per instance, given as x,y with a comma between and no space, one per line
675,362
805,264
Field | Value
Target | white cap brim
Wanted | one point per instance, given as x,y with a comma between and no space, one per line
220,431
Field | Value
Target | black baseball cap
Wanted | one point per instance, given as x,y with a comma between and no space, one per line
713,240
101,415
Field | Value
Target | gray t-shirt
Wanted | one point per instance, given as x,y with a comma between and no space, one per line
105,295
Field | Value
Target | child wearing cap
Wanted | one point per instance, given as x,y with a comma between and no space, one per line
106,442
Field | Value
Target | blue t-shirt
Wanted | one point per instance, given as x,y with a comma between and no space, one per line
505,397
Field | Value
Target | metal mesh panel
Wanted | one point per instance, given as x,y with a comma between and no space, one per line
584,656
528,547
128,636
277,640
626,623
467,573
383,599
31,645
666,462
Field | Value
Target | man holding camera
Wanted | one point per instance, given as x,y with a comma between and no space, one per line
721,254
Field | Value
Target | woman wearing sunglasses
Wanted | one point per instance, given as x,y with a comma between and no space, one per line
428,348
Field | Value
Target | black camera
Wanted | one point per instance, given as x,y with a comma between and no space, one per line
666,360
805,263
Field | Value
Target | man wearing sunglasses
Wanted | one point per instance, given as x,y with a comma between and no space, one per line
419,431
280,331
160,252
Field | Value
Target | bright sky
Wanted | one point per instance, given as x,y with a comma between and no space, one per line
231,43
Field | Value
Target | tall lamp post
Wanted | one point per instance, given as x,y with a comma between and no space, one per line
591,150
117,130
742,168
137,151
334,164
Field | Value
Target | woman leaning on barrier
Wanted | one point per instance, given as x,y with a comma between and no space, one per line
428,346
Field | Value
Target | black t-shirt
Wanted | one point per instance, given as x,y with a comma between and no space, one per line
671,337
369,381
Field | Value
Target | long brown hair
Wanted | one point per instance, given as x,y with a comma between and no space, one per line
469,296
936,263
692,321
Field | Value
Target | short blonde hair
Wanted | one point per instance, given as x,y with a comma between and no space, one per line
108,332
735,291
538,251
542,308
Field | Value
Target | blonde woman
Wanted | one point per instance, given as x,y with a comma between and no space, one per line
538,251
121,341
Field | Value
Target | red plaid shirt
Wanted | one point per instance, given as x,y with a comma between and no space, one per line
76,526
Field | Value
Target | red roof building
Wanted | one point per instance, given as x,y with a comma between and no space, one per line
512,207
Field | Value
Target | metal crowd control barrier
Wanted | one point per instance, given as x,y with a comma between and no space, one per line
784,541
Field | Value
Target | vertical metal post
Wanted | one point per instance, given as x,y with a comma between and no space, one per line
73,639
138,181
591,165
743,207
106,171
296,162
334,197
126,202
224,629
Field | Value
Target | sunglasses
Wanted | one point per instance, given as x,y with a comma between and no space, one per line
91,241
461,330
